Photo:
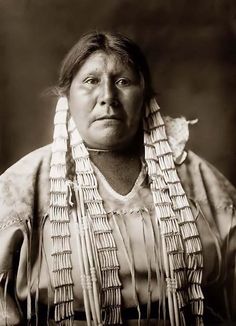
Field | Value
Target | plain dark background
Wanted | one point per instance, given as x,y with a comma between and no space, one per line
190,46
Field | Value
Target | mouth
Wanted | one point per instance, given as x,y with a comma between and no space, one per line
109,117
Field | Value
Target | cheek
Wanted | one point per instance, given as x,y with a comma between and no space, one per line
80,105
76,100
134,104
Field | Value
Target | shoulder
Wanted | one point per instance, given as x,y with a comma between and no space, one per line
30,162
200,178
204,181
22,183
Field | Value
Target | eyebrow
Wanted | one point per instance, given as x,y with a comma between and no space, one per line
114,75
125,71
92,72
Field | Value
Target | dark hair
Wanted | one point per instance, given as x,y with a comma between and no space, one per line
113,43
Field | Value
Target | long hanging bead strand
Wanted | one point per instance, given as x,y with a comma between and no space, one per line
157,148
172,242
170,235
105,250
59,218
86,262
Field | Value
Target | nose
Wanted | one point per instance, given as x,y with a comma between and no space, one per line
108,94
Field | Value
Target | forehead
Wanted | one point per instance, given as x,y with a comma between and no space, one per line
101,62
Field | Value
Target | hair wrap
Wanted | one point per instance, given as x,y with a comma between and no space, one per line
59,218
182,251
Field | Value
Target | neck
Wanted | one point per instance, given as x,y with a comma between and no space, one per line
120,167
131,148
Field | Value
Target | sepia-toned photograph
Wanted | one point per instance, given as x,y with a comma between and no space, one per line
117,162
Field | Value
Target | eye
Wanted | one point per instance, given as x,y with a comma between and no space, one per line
123,82
91,81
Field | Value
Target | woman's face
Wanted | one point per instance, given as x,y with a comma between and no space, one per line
106,99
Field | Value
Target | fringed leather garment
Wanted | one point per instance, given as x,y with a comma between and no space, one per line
76,252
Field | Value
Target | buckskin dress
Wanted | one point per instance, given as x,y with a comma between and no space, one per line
27,288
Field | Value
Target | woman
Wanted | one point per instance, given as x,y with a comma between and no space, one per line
115,222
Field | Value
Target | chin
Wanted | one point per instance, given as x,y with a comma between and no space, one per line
107,142
110,137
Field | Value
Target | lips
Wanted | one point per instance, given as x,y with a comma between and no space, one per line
109,117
